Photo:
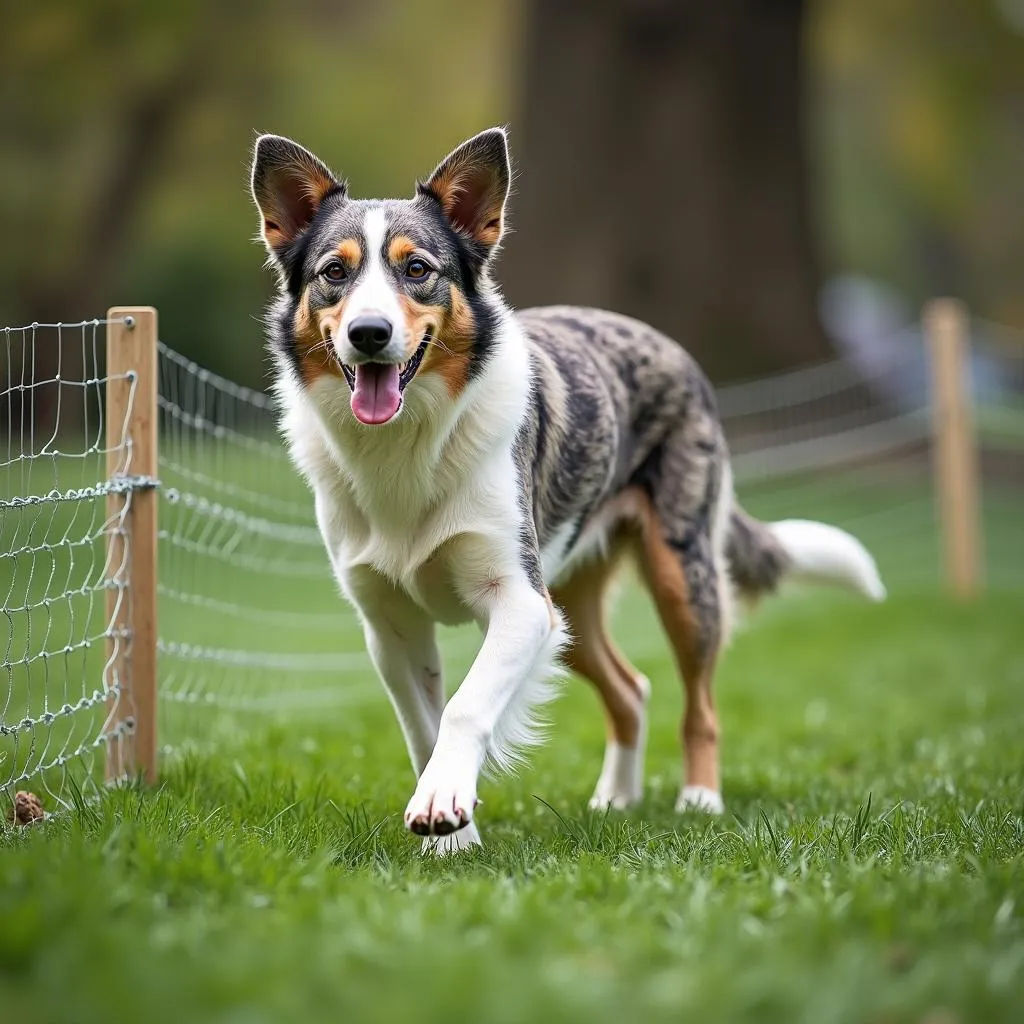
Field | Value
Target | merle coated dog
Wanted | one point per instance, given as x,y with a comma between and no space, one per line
470,462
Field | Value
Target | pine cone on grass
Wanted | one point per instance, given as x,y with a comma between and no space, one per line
26,810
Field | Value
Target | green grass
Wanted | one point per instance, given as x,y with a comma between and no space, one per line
869,868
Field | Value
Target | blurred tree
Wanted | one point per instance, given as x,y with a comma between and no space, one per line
661,147
665,174
918,117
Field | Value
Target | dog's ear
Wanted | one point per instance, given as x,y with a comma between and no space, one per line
288,184
472,184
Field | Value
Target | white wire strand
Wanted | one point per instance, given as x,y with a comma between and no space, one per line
250,619
58,691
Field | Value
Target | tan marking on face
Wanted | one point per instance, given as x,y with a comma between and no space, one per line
312,343
450,356
350,253
400,249
420,320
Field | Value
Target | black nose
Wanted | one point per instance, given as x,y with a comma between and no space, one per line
369,334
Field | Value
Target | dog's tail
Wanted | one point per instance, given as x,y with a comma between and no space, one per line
761,555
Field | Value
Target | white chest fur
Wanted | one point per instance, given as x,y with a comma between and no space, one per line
398,499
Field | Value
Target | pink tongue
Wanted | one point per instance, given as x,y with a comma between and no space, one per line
376,398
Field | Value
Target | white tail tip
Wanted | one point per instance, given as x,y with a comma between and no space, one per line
825,554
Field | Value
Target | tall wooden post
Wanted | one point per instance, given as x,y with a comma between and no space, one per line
955,458
131,545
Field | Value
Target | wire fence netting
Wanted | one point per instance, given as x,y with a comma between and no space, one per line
61,697
250,620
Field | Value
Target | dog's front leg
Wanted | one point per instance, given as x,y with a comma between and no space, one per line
402,646
401,642
400,638
490,713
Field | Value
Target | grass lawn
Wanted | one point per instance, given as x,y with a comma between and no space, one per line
870,866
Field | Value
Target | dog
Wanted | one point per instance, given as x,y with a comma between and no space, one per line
472,463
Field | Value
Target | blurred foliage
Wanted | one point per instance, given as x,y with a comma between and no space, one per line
127,130
919,136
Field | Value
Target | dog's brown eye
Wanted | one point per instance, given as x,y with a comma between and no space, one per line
416,269
334,271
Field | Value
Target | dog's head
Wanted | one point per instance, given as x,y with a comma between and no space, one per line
378,293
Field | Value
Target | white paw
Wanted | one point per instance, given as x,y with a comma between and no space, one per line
441,846
700,798
621,783
606,797
443,803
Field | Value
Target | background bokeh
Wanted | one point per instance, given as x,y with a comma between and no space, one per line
781,185
765,181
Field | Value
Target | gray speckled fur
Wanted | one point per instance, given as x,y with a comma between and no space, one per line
616,404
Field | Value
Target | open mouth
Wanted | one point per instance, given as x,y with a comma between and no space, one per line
377,387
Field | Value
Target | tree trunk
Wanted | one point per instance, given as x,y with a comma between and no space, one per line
664,175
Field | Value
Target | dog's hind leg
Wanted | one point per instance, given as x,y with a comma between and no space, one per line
622,688
682,557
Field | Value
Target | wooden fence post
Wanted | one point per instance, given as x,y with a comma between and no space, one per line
955,459
131,551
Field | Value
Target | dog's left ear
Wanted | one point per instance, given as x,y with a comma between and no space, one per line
288,184
472,184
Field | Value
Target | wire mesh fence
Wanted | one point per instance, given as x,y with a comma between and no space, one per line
854,446
62,704
250,615
250,621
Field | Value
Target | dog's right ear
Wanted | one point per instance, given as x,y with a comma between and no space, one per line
471,183
288,184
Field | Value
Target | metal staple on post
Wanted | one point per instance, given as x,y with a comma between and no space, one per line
132,542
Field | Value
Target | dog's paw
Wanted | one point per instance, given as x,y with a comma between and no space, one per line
441,846
700,798
607,799
443,803
621,783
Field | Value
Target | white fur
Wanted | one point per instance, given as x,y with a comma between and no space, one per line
621,782
700,798
593,541
719,537
825,554
554,553
421,520
374,294
442,846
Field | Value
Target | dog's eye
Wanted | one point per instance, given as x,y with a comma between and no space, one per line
334,271
417,269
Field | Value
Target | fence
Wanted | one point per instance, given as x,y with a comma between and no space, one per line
190,580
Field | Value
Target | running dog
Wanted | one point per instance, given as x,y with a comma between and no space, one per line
472,463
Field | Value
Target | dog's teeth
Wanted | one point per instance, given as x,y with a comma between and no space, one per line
401,367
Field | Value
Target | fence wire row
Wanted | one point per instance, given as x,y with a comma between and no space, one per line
249,616
62,703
